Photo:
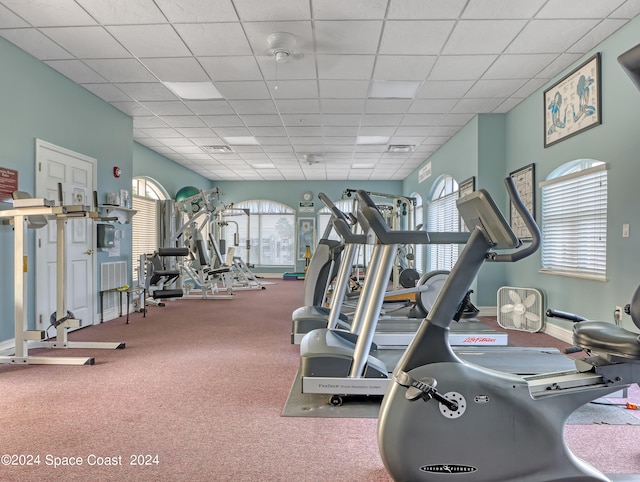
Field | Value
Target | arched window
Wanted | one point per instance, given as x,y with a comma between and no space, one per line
271,232
442,216
574,220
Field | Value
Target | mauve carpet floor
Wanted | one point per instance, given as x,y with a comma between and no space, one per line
202,384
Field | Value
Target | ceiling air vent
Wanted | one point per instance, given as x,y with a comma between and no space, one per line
400,148
216,149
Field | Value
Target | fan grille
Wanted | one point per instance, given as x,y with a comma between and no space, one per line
520,309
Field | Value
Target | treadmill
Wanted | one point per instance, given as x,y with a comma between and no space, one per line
391,331
340,362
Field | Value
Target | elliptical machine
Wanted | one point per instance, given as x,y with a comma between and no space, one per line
484,425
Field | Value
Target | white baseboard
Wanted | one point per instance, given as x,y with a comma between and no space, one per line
558,332
488,310
269,275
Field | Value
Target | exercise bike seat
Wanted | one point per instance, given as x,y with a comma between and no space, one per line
607,338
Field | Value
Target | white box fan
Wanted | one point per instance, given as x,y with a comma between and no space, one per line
520,309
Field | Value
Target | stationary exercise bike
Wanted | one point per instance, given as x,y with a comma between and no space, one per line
443,419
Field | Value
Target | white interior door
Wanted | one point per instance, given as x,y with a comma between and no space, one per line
76,172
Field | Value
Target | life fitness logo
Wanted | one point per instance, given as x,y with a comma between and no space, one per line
448,469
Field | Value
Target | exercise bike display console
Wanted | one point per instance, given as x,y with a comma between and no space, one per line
511,428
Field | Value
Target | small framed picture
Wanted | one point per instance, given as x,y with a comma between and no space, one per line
524,179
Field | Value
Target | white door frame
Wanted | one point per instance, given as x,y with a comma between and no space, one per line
40,262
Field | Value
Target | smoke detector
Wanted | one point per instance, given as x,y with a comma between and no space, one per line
281,45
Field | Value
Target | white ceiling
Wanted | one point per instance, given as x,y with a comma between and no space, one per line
464,56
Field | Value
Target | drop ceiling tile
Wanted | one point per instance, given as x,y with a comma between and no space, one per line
362,9
432,106
403,67
232,132
278,150
413,131
596,35
342,106
347,89
87,42
347,37
273,141
121,70
208,141
300,67
223,120
231,68
485,89
444,131
35,43
132,109
76,71
114,12
422,119
8,19
340,131
262,120
209,107
149,142
161,132
494,9
107,92
529,88
341,120
197,11
518,66
146,91
194,152
426,9
293,89
254,106
415,37
243,90
471,37
310,131
387,106
301,120
211,39
578,8
268,131
138,134
175,141
168,107
195,132
628,9
255,151
298,106
474,106
374,135
381,119
183,121
437,89
148,121
558,65
535,37
50,14
150,40
461,67
258,10
185,69
347,67
339,141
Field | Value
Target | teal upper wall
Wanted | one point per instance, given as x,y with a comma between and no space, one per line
169,174
492,146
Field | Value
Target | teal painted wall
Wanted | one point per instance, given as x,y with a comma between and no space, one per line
170,175
615,142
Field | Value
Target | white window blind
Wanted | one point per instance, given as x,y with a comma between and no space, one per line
442,216
574,223
144,230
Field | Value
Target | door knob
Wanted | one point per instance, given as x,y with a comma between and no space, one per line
89,251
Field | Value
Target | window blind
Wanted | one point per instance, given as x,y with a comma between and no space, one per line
442,216
574,223
144,230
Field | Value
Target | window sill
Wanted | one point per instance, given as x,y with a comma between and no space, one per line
569,274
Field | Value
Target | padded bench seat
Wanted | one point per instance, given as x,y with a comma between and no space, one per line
604,337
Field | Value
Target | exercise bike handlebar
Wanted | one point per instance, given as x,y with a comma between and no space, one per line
529,222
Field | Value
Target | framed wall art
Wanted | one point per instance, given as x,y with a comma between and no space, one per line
524,179
306,236
572,105
467,186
